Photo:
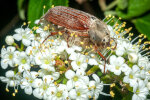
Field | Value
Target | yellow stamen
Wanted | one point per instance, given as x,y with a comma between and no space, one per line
112,93
44,6
112,85
7,90
52,6
24,23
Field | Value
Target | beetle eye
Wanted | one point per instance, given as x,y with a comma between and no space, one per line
103,40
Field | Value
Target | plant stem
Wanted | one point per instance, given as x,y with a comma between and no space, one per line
111,5
16,45
104,7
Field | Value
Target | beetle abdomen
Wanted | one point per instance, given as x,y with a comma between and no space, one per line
69,18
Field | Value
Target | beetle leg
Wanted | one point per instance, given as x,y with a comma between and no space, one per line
96,49
52,33
68,37
84,35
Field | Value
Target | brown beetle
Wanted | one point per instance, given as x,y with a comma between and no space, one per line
82,23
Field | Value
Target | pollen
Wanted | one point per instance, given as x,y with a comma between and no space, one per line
16,91
24,23
55,83
29,22
45,28
44,6
112,93
31,32
89,96
109,15
7,90
66,62
108,48
86,53
60,72
59,33
117,32
81,43
52,6
112,85
13,94
87,60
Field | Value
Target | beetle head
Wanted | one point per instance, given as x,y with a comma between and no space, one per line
99,33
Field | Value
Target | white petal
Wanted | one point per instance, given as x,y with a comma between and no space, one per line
126,79
96,78
26,42
28,90
69,74
10,73
37,93
80,72
4,63
17,37
11,49
112,59
73,94
73,56
74,65
70,85
37,83
92,62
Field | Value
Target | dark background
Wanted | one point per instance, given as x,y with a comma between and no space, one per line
9,20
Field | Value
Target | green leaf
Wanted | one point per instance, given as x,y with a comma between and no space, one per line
122,4
21,9
135,8
35,8
143,25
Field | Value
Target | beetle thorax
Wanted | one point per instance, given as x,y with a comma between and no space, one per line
99,32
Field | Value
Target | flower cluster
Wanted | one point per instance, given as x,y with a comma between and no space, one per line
52,70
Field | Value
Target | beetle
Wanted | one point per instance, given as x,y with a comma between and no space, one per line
82,23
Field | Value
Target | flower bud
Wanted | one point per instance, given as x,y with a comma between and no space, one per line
9,40
148,85
133,57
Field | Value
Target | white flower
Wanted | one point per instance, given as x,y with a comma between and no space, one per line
96,86
133,57
79,61
79,93
25,35
43,34
125,47
9,40
27,81
41,90
132,76
7,56
11,79
116,64
22,60
45,59
143,62
140,91
58,93
92,61
74,78
48,71
148,85
37,21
